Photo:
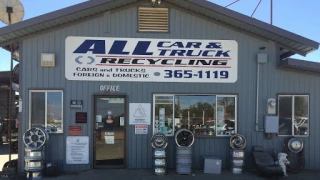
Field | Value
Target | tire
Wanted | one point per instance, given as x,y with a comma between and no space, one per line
184,137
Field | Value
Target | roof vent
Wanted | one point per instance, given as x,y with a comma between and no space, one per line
153,19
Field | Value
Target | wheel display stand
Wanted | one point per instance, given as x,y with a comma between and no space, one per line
34,140
159,142
184,139
237,152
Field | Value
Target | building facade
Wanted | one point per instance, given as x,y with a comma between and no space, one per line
69,95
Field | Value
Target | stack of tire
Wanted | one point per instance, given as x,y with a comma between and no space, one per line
34,140
159,142
237,152
184,139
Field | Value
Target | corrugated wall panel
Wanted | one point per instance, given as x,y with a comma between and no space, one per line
182,26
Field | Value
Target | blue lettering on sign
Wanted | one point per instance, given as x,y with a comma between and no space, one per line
200,74
117,47
141,48
165,48
179,44
214,45
225,54
98,47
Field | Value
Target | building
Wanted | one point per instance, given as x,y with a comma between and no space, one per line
246,63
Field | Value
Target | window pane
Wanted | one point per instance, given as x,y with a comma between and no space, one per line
38,109
54,112
285,115
225,115
195,112
301,115
164,115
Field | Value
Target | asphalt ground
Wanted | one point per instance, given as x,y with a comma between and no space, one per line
147,174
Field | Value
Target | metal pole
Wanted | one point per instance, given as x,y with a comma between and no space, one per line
10,103
232,3
9,11
271,6
256,8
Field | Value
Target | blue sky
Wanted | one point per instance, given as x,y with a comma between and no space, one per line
300,17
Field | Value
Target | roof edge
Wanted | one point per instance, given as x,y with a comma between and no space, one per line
301,65
255,22
53,15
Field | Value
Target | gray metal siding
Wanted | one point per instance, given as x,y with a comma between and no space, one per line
184,26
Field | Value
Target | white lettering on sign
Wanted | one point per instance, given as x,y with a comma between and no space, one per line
113,88
151,60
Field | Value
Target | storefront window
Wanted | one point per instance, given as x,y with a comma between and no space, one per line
46,110
197,113
163,115
293,115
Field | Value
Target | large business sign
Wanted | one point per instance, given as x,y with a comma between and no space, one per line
151,60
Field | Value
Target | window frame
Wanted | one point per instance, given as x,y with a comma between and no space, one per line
292,115
235,96
46,108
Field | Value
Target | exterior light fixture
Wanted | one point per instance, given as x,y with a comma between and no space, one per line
156,1
47,60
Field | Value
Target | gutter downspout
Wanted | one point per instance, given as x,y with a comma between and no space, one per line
257,98
262,58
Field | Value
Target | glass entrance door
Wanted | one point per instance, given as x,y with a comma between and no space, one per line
109,131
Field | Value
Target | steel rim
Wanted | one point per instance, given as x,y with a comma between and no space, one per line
35,138
159,141
295,145
238,141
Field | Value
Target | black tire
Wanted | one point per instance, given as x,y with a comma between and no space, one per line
184,137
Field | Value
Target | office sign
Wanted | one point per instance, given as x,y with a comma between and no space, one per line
110,88
151,60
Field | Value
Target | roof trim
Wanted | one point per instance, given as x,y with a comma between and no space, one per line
301,65
53,15
255,22
304,45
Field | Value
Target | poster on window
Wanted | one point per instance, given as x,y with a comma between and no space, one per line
220,112
109,139
77,149
140,113
162,126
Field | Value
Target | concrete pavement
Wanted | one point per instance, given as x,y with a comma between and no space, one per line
146,174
